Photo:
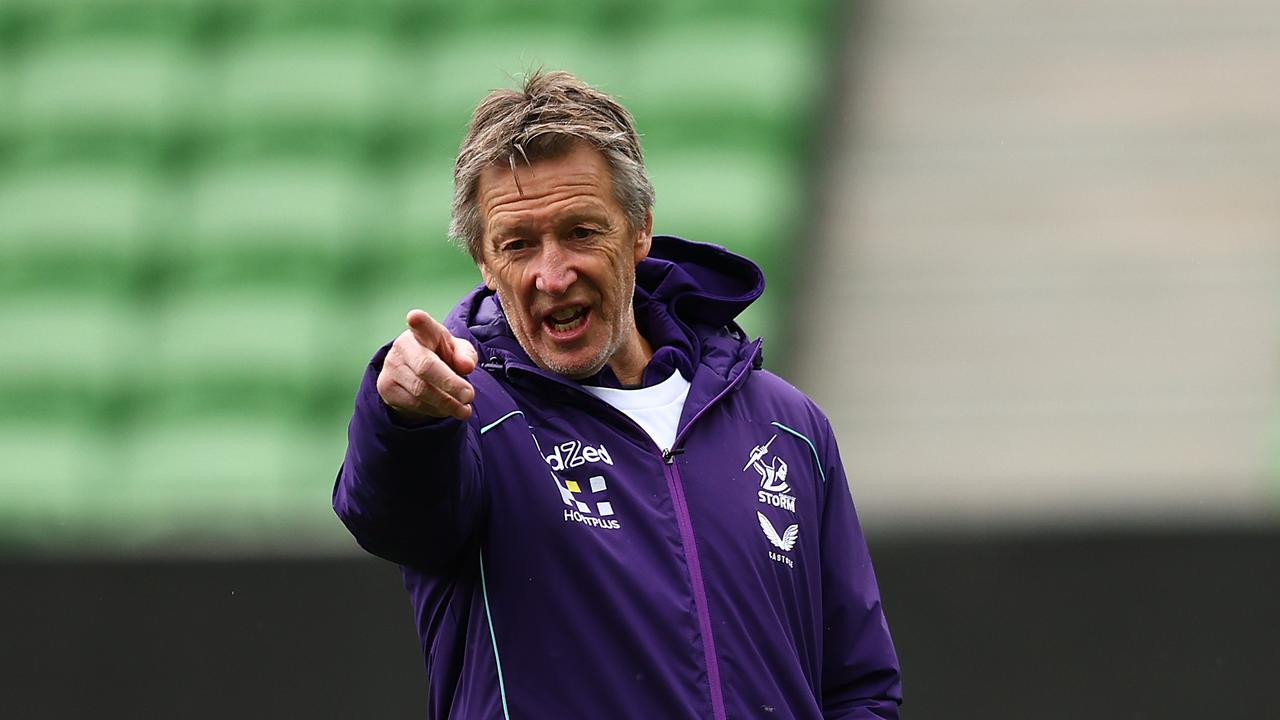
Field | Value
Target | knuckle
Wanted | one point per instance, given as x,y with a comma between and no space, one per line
458,387
422,364
417,387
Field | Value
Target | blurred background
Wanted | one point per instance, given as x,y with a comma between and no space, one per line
1026,255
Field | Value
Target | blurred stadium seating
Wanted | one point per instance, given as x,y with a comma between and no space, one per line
213,211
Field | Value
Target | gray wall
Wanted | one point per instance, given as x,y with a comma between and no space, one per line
1045,287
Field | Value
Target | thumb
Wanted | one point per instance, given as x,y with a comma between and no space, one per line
464,358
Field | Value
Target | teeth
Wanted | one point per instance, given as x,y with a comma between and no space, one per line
567,319
569,326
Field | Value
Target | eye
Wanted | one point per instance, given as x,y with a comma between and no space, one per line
514,245
583,233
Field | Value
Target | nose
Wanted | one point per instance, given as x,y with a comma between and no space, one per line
553,269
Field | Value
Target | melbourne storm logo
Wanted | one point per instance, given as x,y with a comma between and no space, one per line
773,477
774,492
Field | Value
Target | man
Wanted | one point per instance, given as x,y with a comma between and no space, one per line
603,507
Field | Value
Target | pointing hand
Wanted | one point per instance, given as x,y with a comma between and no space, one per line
423,373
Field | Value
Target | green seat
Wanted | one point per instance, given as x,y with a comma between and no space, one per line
41,479
338,16
701,13
744,72
99,18
104,90
728,196
443,83
236,351
418,249
268,221
324,84
252,334
244,479
420,203
73,225
384,307
57,333
179,470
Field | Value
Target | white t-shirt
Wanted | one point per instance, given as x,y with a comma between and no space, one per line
655,408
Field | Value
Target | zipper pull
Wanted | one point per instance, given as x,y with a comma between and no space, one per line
669,454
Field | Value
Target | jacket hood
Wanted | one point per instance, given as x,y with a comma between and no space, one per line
687,297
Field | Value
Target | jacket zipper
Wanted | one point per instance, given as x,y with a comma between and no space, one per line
689,543
684,522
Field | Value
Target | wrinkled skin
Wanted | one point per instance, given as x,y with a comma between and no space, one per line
558,251
557,242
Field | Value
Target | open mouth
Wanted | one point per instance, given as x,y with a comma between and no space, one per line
565,320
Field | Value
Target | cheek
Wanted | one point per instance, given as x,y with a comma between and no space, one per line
625,281
487,276
509,288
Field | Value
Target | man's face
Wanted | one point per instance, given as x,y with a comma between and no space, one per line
560,255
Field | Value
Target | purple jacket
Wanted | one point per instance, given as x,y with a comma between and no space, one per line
561,565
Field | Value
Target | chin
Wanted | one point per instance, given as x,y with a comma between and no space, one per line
573,366
575,371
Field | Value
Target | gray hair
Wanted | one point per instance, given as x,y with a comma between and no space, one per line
552,112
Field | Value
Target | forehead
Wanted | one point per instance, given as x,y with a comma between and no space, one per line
575,181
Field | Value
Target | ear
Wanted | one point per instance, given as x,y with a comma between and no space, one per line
644,237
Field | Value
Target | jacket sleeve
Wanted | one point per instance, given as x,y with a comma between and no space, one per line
409,493
860,673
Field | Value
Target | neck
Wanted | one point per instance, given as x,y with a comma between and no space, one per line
630,361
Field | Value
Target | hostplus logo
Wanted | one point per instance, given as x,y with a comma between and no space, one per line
588,505
774,492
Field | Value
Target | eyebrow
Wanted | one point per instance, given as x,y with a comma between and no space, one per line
502,230
587,213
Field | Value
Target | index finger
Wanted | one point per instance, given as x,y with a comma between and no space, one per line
429,332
